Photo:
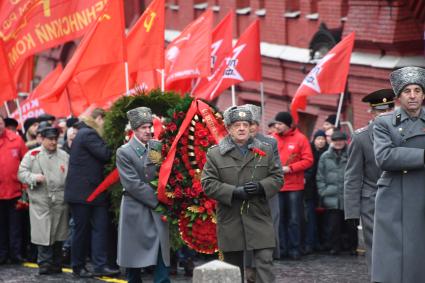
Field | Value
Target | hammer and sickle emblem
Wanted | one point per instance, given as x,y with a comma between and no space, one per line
147,24
46,8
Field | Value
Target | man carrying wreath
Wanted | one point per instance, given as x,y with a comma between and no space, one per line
143,238
240,173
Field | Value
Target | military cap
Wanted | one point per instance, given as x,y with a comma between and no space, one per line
381,99
256,112
49,132
406,76
338,136
43,125
236,113
139,116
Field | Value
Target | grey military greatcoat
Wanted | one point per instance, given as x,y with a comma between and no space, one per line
48,210
242,225
398,251
361,175
141,232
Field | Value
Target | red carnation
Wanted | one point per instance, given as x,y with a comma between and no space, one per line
35,152
258,151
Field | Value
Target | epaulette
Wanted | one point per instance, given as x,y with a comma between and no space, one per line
361,130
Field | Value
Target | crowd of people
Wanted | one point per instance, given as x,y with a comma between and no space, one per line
298,198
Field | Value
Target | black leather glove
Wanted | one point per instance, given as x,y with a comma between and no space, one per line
254,189
239,193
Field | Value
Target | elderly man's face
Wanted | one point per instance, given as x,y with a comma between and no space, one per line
144,133
411,98
50,143
239,131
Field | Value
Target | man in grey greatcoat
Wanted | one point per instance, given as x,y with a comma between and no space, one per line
274,201
44,169
398,250
241,175
362,173
143,238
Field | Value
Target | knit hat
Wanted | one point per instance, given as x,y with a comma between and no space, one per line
319,133
406,76
285,118
236,113
331,119
256,112
139,116
29,122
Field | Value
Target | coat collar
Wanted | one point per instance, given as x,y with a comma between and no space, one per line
226,145
137,146
399,115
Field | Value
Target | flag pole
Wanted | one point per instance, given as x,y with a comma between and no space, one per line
20,114
127,83
263,112
233,95
7,109
338,113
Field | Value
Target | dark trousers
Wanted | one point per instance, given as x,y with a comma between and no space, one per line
10,229
89,220
134,275
311,235
291,211
342,233
50,255
263,259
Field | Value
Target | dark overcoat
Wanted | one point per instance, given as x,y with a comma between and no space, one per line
242,225
398,251
361,176
89,154
141,232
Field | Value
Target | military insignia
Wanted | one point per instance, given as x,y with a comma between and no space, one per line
155,157
242,114
384,100
400,129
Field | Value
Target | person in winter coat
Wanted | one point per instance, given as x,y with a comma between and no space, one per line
89,154
330,183
143,238
44,169
12,150
241,175
311,195
398,249
296,157
362,173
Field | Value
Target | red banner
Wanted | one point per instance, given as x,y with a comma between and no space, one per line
30,26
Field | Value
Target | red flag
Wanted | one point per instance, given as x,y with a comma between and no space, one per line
145,41
222,36
244,64
34,106
30,26
7,85
188,56
97,65
329,76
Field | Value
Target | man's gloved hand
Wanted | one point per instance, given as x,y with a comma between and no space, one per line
254,189
240,193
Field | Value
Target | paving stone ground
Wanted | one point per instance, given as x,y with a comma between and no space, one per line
310,269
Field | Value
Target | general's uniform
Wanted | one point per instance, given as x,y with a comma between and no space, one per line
398,250
141,232
143,238
243,225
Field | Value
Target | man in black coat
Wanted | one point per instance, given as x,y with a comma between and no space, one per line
89,154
